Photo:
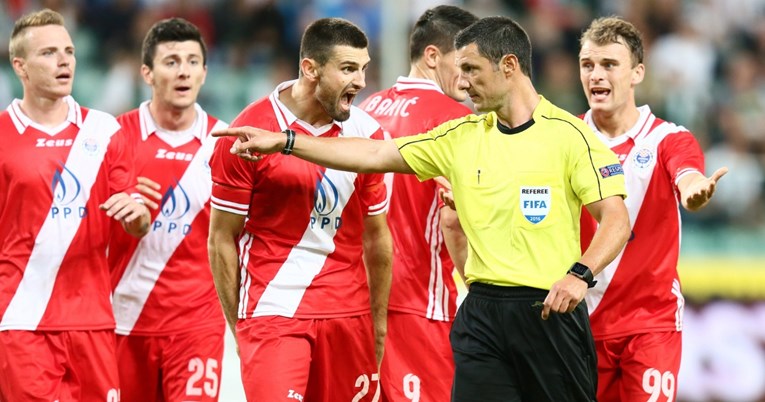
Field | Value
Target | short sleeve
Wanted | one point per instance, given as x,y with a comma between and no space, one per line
596,172
682,154
430,154
232,178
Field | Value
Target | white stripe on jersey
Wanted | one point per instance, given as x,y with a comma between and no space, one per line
636,180
284,292
437,303
30,301
245,243
155,249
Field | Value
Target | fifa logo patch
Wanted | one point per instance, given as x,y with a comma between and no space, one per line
643,158
535,203
611,170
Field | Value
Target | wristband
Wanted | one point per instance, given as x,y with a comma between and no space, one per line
290,142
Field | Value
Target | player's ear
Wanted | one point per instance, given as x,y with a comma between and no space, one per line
638,73
309,68
19,66
430,56
147,74
508,64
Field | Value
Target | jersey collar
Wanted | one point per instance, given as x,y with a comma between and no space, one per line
149,126
287,119
409,83
640,128
21,121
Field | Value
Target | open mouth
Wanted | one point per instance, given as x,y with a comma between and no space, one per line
600,93
347,100
64,76
182,89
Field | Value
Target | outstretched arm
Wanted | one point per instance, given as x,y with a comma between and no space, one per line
696,190
351,154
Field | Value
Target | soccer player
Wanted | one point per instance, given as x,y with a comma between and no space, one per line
520,174
636,309
289,240
66,172
170,325
418,363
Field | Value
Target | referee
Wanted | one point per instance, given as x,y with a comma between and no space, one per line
520,174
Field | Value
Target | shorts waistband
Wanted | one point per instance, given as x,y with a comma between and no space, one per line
507,292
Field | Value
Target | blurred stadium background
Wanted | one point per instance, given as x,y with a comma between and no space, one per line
705,70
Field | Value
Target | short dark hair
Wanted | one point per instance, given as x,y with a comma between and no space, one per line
497,37
607,30
321,37
170,30
438,26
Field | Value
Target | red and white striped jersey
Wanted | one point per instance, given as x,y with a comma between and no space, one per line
423,281
640,290
162,282
300,252
53,237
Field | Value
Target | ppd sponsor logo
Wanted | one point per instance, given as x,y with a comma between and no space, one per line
175,204
325,202
66,189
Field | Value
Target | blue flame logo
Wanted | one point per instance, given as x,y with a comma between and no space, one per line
65,186
326,196
175,202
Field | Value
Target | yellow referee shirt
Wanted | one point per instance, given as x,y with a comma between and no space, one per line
519,192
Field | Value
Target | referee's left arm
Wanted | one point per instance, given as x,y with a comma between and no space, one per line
610,237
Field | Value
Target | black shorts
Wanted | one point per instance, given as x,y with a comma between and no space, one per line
505,352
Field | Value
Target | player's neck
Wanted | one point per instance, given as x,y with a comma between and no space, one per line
172,119
422,72
615,123
45,111
301,101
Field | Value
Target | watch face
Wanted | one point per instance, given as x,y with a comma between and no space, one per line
579,268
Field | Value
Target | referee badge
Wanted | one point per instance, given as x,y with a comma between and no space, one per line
535,203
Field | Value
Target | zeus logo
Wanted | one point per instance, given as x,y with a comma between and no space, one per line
326,198
175,205
66,190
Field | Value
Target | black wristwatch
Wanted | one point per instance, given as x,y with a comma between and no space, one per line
582,272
